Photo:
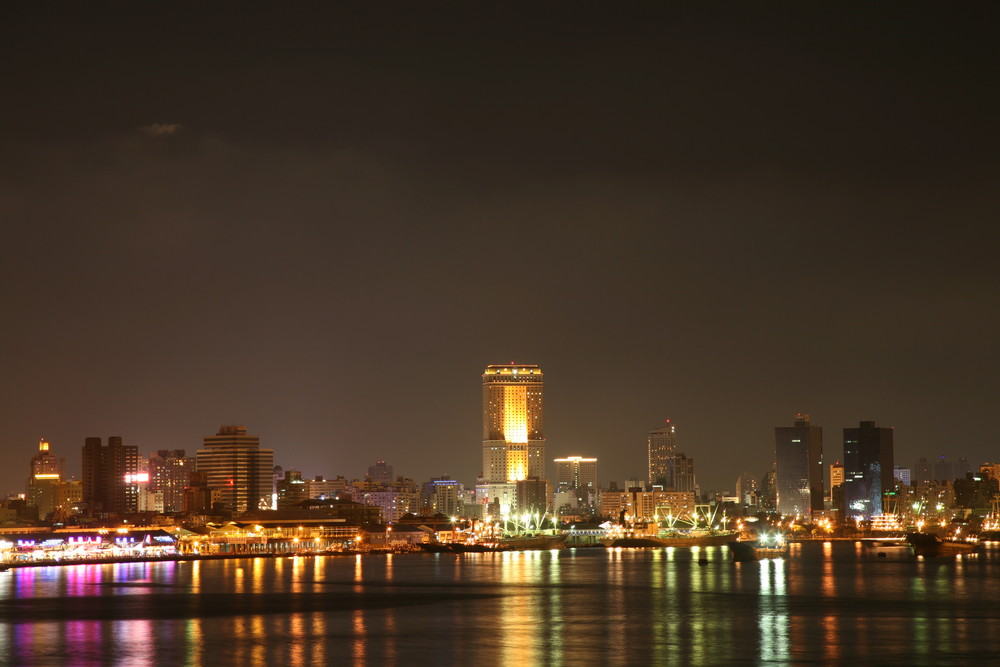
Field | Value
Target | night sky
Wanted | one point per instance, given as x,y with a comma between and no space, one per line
324,221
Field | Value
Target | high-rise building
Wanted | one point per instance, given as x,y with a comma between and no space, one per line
44,480
868,468
110,472
236,466
381,473
798,475
947,470
682,468
170,473
576,472
661,447
513,433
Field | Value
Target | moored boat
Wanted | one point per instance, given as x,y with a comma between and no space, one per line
751,550
932,546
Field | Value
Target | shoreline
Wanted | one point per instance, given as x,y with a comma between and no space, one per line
177,558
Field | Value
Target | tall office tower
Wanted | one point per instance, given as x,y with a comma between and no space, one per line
513,433
381,473
170,473
662,445
44,480
576,472
867,468
682,469
236,466
110,483
798,471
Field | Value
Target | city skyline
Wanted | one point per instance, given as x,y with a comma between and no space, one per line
232,432
324,228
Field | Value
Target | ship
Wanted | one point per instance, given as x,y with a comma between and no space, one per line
932,546
713,539
535,542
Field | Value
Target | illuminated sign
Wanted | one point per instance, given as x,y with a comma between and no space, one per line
137,478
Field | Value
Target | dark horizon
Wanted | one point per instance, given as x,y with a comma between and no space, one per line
324,222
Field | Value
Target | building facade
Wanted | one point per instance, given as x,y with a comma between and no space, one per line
868,469
661,448
234,464
109,476
798,478
641,505
513,433
576,472
381,473
44,481
170,473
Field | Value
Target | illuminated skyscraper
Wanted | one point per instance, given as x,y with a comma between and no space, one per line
513,440
513,436
662,445
236,466
798,455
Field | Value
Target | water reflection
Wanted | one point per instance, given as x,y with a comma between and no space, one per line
826,603
773,612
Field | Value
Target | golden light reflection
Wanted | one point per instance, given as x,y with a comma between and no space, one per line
389,643
359,646
831,637
554,619
298,566
259,634
257,570
195,642
520,570
319,644
240,633
298,641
